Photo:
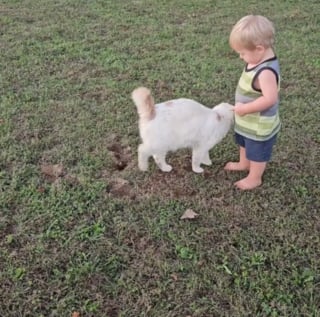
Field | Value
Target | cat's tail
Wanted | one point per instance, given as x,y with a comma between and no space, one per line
145,104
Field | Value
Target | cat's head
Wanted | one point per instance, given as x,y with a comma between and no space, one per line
224,111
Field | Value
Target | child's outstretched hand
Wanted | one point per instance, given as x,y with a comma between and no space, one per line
240,109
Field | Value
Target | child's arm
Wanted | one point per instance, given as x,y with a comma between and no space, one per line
267,82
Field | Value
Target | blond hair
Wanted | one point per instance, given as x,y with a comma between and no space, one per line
251,31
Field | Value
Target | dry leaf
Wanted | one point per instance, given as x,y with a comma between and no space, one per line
189,214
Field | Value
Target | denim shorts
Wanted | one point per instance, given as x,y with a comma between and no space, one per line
257,151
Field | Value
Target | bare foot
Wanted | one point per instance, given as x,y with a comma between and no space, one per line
236,166
247,183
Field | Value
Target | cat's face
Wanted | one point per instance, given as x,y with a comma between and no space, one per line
225,110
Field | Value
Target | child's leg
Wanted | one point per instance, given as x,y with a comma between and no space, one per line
258,153
243,163
254,178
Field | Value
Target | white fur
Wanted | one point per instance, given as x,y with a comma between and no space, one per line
179,123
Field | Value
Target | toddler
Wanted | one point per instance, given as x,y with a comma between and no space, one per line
256,99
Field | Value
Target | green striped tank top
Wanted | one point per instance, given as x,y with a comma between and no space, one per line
263,125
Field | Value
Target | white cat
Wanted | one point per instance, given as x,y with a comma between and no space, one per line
179,123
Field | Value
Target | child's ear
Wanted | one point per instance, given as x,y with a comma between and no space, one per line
260,48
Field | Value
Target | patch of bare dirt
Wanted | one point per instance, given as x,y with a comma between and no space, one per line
178,184
171,185
55,173
122,155
121,188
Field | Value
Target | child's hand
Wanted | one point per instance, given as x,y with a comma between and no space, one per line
240,109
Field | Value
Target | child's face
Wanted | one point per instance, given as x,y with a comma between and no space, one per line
253,56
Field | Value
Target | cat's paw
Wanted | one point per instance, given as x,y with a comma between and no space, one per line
207,162
197,169
166,168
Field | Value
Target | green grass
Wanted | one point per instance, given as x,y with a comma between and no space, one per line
96,236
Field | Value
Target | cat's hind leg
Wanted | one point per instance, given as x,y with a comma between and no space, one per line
160,159
143,157
206,159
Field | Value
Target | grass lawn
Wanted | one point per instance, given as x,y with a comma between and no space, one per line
83,232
